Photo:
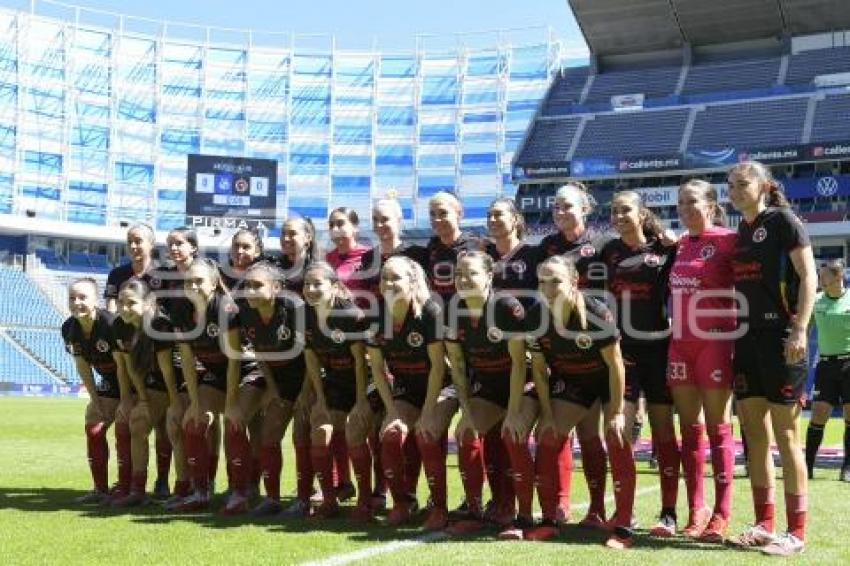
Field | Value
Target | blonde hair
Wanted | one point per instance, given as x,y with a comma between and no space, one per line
577,188
419,292
447,198
391,204
568,268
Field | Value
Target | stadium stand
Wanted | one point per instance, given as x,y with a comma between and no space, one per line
803,67
28,306
750,124
566,91
733,76
47,347
18,368
831,114
625,134
651,82
550,140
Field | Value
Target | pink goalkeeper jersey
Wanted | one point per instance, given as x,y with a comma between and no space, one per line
702,269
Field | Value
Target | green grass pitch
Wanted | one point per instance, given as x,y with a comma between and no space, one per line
43,468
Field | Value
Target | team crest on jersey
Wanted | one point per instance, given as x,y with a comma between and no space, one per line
519,267
338,336
414,339
156,282
212,330
587,250
584,341
707,251
283,333
102,346
759,235
495,334
651,260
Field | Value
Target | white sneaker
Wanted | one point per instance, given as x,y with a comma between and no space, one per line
784,545
753,536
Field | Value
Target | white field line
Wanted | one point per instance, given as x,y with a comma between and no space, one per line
386,548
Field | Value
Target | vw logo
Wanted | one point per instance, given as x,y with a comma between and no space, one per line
827,186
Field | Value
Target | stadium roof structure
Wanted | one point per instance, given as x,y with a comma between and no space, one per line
619,27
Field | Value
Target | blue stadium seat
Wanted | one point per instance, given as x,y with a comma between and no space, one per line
29,307
740,75
632,134
806,65
652,83
831,115
17,368
549,142
47,347
762,123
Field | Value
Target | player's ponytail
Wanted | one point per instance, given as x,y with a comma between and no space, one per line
650,224
774,197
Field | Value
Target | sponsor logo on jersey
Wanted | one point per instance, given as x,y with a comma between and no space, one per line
759,235
495,334
716,376
587,250
519,267
283,333
213,330
414,339
707,251
102,346
584,341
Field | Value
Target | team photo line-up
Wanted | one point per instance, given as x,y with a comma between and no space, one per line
370,353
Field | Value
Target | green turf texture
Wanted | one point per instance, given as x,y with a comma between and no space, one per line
43,468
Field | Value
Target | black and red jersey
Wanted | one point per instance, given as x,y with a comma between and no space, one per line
373,261
127,337
637,279
293,273
123,273
516,270
405,346
332,341
583,251
170,290
279,340
570,349
441,263
484,340
762,267
96,348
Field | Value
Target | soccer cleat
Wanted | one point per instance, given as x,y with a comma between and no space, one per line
516,530
715,532
345,491
502,515
237,504
298,509
378,502
845,474
593,520
160,489
438,518
614,522
784,545
93,497
665,527
172,502
465,527
697,521
361,513
621,539
546,530
135,499
753,536
327,510
192,504
460,512
267,507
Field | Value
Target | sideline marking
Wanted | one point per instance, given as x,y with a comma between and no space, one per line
386,548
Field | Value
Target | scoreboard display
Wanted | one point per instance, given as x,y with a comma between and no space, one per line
230,191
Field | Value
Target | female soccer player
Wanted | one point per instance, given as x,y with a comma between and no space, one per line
148,359
246,247
347,255
486,332
575,336
335,355
775,274
141,241
88,338
408,344
515,268
207,329
270,324
832,377
638,263
699,364
572,205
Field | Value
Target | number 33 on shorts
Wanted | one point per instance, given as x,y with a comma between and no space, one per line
677,371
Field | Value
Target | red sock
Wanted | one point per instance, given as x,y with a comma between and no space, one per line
139,482
377,463
322,461
765,508
434,462
256,469
98,455
339,449
523,474
412,464
198,455
361,460
693,461
238,456
470,460
182,488
565,473
795,512
303,472
546,461
271,463
124,451
595,464
163,456
669,462
492,445
624,476
392,453
723,465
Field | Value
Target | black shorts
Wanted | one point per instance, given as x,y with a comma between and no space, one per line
584,390
216,380
339,395
760,369
289,381
107,386
646,370
497,390
832,380
410,391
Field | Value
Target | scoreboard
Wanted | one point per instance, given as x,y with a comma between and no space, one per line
230,192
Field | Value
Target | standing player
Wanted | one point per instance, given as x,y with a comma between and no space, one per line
336,366
515,267
639,262
832,377
486,333
775,274
576,344
88,338
570,210
700,357
148,359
